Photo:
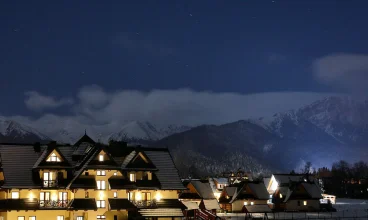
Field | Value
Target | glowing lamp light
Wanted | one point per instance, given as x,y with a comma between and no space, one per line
245,203
101,195
251,203
31,196
158,196
138,196
217,195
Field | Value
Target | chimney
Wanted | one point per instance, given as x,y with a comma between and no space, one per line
52,144
37,147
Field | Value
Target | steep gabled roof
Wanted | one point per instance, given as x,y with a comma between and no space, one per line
85,139
17,163
41,162
203,188
254,190
167,173
137,160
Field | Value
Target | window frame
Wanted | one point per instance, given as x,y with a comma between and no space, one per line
101,204
53,158
134,175
101,172
101,186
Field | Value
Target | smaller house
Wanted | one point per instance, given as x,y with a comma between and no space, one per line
298,196
280,180
245,195
200,192
226,196
220,183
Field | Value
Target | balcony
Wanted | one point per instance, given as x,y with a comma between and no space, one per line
50,183
144,203
50,204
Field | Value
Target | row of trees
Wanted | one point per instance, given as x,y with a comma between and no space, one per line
345,179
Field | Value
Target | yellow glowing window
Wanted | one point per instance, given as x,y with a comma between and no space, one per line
101,172
21,218
101,217
132,177
251,203
115,194
80,218
101,157
101,184
245,203
32,218
15,195
53,158
305,203
60,217
280,196
101,203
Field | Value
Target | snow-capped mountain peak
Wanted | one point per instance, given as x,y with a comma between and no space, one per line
137,130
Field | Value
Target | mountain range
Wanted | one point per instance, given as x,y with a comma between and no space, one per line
323,132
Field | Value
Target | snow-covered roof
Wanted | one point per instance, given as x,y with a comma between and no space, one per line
221,180
266,181
230,190
257,209
286,178
313,190
190,205
211,204
204,189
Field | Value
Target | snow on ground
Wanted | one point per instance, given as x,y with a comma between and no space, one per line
346,209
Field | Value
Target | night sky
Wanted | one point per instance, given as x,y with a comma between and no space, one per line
247,46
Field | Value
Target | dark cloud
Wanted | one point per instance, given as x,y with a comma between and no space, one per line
346,71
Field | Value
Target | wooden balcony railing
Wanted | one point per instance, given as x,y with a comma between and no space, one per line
49,204
144,203
50,183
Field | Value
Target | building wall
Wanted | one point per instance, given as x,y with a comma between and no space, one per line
292,205
40,214
237,206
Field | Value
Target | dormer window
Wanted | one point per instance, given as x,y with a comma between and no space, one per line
101,157
53,158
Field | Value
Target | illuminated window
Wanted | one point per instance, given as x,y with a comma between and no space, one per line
280,196
60,217
15,195
80,218
101,184
101,172
101,203
53,158
21,218
32,218
251,203
305,203
101,217
132,177
101,157
115,173
115,194
245,203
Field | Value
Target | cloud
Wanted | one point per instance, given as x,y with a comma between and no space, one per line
346,71
135,42
102,112
38,102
